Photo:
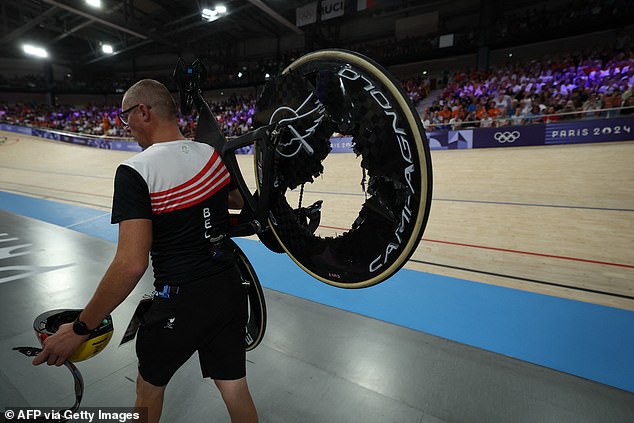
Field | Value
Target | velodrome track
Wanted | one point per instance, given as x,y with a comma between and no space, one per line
555,220
528,253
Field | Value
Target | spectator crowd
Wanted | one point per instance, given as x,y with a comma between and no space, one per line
573,86
598,84
233,115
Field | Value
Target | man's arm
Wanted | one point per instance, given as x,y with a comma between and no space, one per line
127,267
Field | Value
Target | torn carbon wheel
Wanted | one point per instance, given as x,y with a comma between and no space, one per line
340,91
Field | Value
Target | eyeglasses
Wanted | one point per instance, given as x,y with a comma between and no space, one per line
123,116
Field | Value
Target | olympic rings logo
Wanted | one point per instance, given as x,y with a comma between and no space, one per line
507,136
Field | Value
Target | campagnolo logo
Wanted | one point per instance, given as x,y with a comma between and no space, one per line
507,136
406,152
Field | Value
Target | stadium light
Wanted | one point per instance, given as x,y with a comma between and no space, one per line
94,3
35,51
210,15
107,48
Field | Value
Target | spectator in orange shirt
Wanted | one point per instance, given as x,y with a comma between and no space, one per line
458,112
445,113
480,112
492,110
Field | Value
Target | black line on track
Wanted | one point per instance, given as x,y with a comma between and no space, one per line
593,291
58,189
501,203
55,172
507,203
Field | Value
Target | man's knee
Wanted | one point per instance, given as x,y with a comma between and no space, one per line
145,389
237,398
233,389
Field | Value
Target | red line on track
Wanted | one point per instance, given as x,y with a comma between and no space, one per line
505,250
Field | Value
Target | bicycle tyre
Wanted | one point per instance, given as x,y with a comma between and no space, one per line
385,128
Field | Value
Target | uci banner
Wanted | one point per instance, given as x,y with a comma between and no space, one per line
331,9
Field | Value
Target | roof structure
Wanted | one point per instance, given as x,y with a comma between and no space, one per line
74,32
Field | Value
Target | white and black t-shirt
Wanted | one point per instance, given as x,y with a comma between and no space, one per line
182,186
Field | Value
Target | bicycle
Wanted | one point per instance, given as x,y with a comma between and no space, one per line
321,93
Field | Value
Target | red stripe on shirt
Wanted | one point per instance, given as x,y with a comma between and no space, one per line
202,185
212,161
212,177
222,178
177,205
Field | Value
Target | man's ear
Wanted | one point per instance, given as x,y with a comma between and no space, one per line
146,112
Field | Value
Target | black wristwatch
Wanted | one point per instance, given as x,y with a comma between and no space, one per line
80,327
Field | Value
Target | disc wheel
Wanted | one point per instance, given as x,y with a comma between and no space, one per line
341,91
256,321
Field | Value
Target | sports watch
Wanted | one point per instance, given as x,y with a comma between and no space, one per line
80,327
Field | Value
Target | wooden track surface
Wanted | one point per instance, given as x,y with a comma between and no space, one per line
557,220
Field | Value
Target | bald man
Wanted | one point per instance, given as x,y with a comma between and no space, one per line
171,203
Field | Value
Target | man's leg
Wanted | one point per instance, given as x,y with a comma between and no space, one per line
237,398
150,397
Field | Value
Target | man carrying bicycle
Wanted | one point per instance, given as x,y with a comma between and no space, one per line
171,202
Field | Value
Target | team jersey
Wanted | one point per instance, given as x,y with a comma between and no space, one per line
182,186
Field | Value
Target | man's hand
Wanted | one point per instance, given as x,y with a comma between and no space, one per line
59,346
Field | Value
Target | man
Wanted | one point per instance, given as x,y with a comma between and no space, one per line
171,202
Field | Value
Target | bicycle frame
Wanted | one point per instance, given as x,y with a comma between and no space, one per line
253,217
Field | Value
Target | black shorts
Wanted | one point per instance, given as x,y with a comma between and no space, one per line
209,316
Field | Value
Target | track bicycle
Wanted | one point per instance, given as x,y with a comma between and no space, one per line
321,93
